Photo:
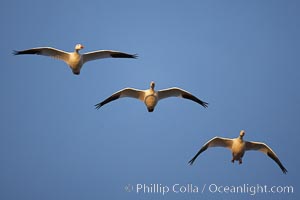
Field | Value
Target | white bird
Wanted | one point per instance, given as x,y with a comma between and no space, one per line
238,147
150,97
74,59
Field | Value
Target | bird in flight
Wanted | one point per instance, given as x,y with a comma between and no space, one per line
151,97
238,147
75,60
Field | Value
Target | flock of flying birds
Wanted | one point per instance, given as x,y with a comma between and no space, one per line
150,97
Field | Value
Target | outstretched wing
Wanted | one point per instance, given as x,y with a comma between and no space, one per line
214,142
259,146
46,51
177,92
127,92
106,54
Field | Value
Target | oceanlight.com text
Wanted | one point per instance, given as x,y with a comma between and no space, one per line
249,189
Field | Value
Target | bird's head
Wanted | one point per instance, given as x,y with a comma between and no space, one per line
152,85
242,133
79,47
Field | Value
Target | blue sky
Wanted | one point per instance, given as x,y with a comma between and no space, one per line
242,57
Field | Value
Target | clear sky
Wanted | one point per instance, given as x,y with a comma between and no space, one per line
242,57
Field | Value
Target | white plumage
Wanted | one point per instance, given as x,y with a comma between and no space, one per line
150,97
74,59
238,147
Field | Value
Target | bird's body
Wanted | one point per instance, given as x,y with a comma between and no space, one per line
238,148
75,60
151,97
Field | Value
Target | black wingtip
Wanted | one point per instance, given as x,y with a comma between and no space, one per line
123,55
191,162
98,105
284,170
15,52
205,104
195,99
